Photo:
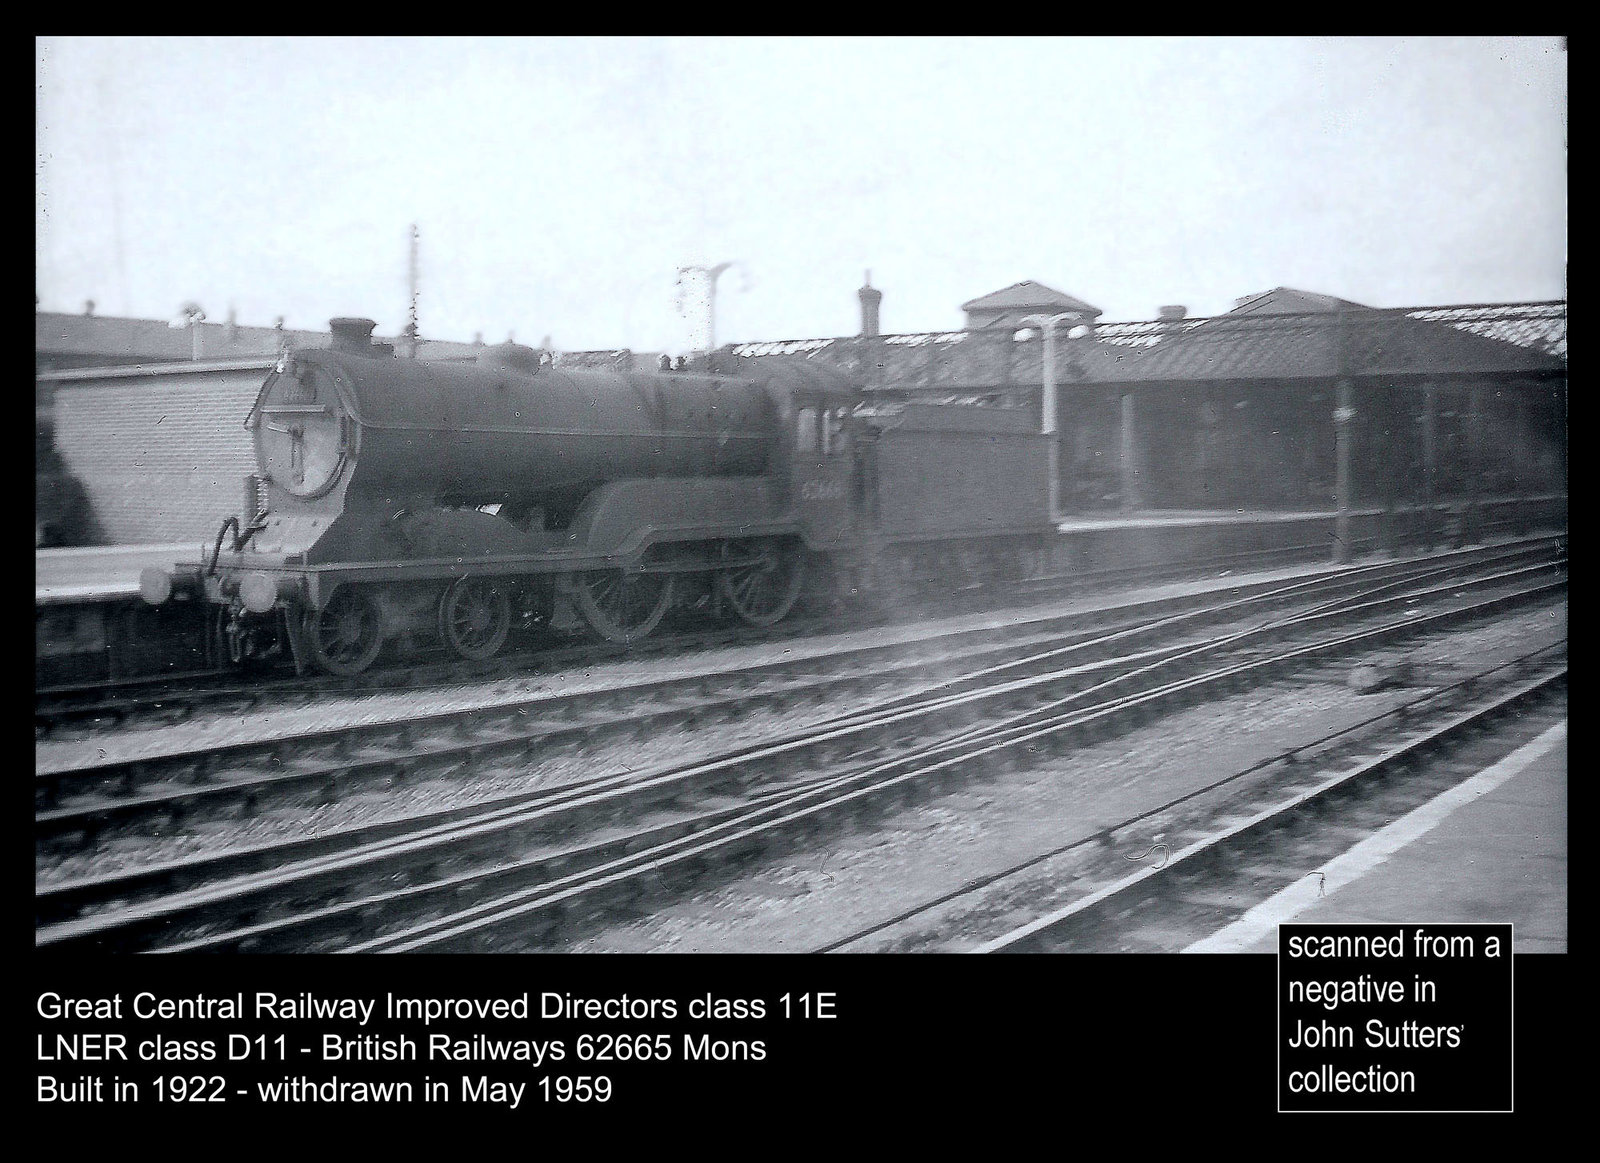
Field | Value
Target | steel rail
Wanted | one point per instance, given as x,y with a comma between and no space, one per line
1052,926
622,881
488,741
50,783
117,700
931,761
1402,712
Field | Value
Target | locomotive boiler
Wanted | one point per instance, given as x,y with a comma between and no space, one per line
401,501
406,499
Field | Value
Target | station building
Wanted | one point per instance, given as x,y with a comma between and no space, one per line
1246,411
1010,306
1249,411
138,424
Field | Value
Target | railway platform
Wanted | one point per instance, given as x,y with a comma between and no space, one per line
111,572
1144,538
98,573
1190,518
89,621
1493,849
90,624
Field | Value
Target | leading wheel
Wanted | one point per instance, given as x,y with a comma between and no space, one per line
474,617
346,634
761,580
623,607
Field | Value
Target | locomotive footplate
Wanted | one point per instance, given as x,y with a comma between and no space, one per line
251,583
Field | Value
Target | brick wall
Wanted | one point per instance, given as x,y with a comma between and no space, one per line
163,457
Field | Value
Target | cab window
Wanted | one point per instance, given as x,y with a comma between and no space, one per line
806,430
833,431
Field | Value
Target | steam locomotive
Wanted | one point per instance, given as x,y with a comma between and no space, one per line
400,500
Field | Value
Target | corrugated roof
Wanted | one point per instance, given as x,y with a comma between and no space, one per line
1291,301
1272,345
1029,294
1296,345
1215,349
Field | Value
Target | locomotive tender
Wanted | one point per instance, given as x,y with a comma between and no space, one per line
416,500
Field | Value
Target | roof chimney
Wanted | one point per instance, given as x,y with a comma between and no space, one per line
352,335
1173,314
870,298
88,306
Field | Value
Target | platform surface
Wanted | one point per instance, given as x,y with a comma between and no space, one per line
1492,849
104,573
99,573
1190,518
108,573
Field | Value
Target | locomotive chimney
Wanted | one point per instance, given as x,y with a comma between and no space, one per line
352,335
870,298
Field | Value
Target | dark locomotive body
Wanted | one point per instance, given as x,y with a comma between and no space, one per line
400,499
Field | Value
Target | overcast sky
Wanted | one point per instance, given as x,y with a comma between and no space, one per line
559,184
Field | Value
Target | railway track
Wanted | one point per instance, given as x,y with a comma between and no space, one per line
173,697
564,853
799,818
185,784
1317,811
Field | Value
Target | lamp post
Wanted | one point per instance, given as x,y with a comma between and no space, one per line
1343,417
1047,420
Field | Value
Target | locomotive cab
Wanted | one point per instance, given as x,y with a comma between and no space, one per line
829,470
